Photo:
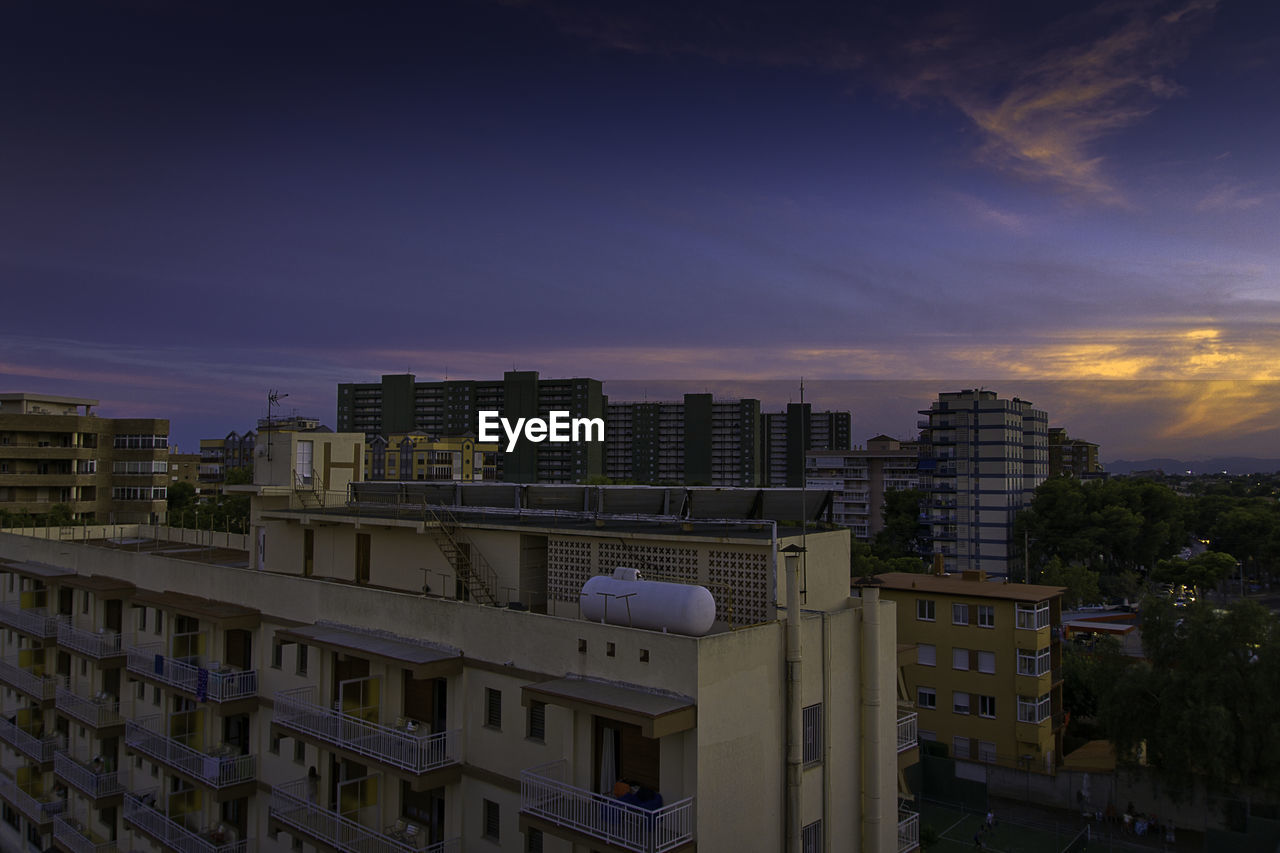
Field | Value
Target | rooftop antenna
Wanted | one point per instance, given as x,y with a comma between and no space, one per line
273,401
804,496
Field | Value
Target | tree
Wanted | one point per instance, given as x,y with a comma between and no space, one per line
1081,583
59,515
1201,572
902,534
180,498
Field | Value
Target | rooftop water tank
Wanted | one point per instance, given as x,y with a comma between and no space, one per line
625,598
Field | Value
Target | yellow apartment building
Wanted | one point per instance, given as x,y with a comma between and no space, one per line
418,456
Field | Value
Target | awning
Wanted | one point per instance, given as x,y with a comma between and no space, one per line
33,569
656,714
228,616
424,659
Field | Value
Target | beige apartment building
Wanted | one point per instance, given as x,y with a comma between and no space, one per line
859,478
415,666
54,450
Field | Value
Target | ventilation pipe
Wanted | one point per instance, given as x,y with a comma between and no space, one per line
795,733
873,749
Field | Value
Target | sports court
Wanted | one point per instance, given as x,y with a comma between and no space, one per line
955,830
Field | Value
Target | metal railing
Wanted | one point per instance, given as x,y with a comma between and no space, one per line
418,753
908,830
37,686
146,735
73,838
32,621
94,783
99,712
36,811
169,832
95,644
151,662
291,804
544,793
38,749
907,734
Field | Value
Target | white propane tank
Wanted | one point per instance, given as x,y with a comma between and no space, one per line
627,599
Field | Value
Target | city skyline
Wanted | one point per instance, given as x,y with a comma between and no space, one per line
201,204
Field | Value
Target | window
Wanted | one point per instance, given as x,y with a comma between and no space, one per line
1033,662
927,654
493,708
84,603
986,616
1033,616
987,706
142,618
274,747
155,696
959,658
159,624
811,837
533,840
492,821
537,729
299,752
811,721
986,751
960,702
277,654
302,658
960,614
927,697
986,662
925,610
960,747
1032,709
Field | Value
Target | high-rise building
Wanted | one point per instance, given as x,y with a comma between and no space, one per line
788,436
1073,456
697,441
399,405
982,457
101,469
859,479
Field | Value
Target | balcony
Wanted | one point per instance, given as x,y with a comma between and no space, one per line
38,810
395,746
36,622
92,780
100,712
38,687
97,644
217,769
291,805
74,837
545,794
140,811
38,749
221,684
908,830
907,736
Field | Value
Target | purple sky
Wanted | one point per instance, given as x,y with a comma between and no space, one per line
199,202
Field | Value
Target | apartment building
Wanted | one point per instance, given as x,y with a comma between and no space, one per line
787,436
859,478
696,441
184,468
54,450
418,456
982,457
986,675
1073,457
221,456
399,405
410,669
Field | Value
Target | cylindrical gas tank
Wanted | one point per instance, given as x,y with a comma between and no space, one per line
626,599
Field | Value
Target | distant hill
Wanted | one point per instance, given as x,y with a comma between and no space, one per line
1218,464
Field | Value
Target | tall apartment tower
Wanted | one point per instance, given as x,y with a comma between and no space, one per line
399,404
982,457
54,450
788,436
859,479
697,441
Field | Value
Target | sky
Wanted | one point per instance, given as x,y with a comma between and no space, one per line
1077,203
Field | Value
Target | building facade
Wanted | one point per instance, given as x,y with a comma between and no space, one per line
696,441
220,456
986,675
418,456
981,458
787,436
54,451
1073,457
859,479
397,674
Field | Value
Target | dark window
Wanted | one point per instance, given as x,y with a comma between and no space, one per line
493,708
538,720
812,724
492,820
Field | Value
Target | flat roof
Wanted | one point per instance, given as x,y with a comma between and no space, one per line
428,660
957,585
98,583
49,398
231,616
40,570
657,713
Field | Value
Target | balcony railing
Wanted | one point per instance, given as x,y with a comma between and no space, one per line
292,806
407,750
147,736
38,749
99,712
907,735
95,783
38,686
76,839
139,810
95,644
908,830
32,621
36,810
545,794
218,686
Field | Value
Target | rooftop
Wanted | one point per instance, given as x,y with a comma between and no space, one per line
970,587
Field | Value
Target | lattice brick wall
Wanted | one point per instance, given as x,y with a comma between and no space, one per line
739,581
655,562
569,564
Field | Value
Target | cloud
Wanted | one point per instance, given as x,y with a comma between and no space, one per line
1230,196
